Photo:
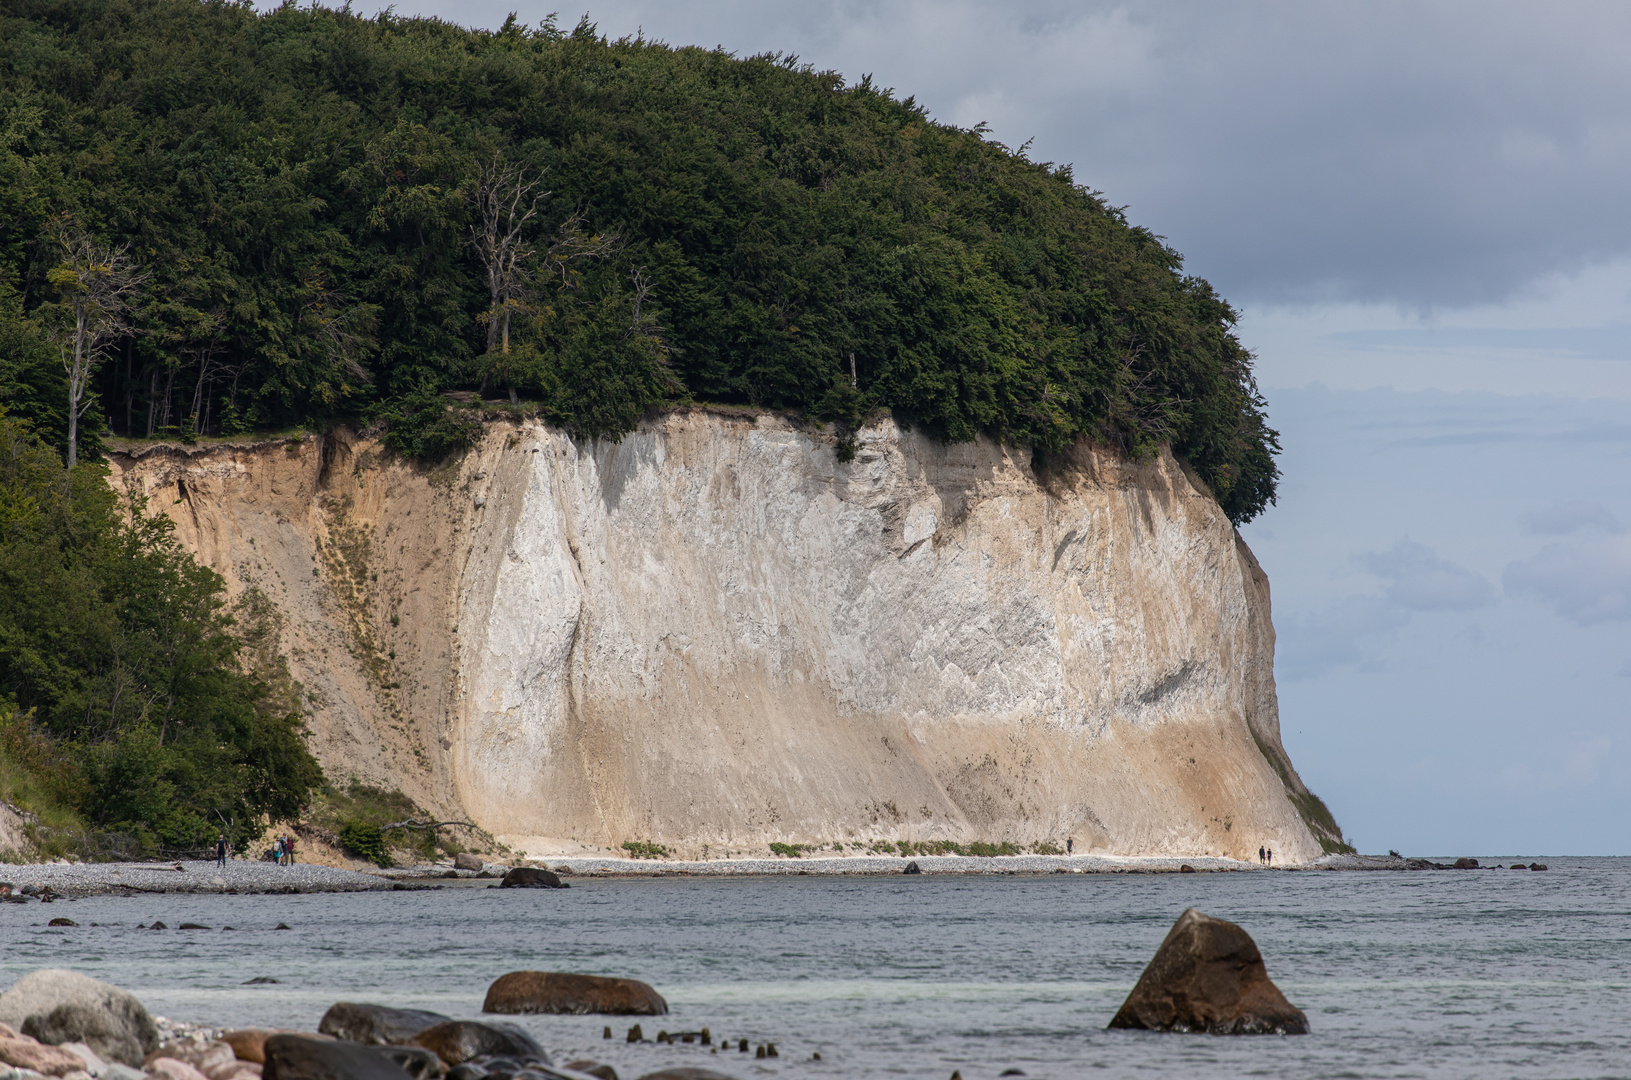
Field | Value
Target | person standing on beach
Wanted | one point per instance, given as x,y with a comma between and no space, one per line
1270,859
1261,859
1070,845
288,850
221,850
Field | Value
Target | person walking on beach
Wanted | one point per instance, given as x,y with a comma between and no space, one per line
288,850
221,850
1261,860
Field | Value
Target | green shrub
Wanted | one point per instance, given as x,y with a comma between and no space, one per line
645,849
364,841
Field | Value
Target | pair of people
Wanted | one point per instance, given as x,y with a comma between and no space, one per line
1265,856
283,850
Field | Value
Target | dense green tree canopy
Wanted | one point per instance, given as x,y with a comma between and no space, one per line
303,185
119,664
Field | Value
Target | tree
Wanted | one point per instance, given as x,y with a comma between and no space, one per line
97,282
506,203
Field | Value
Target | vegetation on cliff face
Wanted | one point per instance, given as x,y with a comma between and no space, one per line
132,715
337,216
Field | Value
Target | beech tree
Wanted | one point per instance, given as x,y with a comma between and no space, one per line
97,283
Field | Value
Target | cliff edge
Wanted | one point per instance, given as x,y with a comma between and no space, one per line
713,635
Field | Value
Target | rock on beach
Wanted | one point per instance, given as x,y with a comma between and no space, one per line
300,1057
377,1024
57,1006
458,1041
1208,976
564,993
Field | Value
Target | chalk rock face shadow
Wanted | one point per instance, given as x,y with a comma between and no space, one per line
1208,976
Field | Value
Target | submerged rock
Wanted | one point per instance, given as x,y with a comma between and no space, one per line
377,1025
1208,976
566,993
531,877
56,1006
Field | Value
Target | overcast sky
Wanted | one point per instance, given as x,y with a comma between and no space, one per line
1421,211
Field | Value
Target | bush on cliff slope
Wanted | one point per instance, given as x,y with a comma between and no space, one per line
302,186
123,694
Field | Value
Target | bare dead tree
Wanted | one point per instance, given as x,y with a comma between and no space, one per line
507,204
506,201
97,283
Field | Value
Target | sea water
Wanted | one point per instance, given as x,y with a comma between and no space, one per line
1498,973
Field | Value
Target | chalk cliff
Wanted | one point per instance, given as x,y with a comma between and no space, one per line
716,633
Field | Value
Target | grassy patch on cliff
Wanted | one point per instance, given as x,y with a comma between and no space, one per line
1310,807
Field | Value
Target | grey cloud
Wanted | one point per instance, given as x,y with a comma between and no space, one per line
1344,634
1612,342
1419,580
1564,517
1421,154
1585,583
1354,631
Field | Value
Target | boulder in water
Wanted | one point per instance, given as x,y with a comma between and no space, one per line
574,995
1208,976
532,877
458,1041
1465,864
56,1006
376,1025
300,1057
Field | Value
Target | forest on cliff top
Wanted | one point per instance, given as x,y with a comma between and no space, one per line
326,217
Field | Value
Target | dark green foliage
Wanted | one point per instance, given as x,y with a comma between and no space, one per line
300,183
365,841
116,652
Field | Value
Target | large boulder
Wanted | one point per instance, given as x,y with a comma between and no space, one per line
1208,976
56,1006
458,1041
378,1025
531,877
464,860
300,1057
561,992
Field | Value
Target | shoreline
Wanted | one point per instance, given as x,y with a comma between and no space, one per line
244,877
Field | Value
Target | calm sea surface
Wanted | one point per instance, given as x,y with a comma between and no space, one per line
1428,974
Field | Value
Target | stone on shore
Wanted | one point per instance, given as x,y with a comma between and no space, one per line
686,1072
575,995
416,1061
465,860
458,1041
23,1052
300,1057
57,1006
169,1068
208,1058
1208,976
377,1025
531,877
592,1068
249,1044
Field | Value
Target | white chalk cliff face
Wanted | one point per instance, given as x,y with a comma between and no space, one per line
715,633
